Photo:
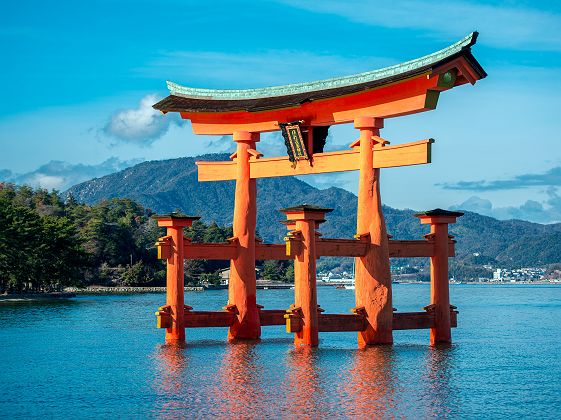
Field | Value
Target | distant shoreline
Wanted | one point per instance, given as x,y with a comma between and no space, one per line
71,292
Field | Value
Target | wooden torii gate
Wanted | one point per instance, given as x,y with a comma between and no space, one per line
303,112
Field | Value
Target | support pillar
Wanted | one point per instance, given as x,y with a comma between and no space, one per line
303,221
242,284
439,283
175,280
373,286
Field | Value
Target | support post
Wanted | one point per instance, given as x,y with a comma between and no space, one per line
373,285
242,284
303,221
175,282
439,284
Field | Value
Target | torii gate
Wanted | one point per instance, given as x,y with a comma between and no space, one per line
304,112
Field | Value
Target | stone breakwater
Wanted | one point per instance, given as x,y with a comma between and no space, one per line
122,289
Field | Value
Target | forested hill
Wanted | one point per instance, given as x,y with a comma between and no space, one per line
169,185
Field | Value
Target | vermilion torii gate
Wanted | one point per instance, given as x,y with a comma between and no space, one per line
303,112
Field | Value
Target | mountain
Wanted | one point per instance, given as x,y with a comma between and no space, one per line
169,185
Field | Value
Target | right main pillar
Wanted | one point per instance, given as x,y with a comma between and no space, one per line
373,285
439,284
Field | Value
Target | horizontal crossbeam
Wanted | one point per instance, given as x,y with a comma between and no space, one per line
326,322
407,154
211,251
341,248
324,248
356,322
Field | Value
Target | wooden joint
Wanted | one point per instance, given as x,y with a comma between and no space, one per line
293,319
359,310
164,247
429,236
365,237
234,156
163,317
259,307
233,240
430,308
320,309
379,141
231,308
293,246
187,308
254,153
293,234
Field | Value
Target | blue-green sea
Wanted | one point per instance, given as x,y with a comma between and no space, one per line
102,357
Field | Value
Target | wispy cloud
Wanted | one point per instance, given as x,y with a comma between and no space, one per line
142,125
240,70
504,26
549,178
62,175
547,212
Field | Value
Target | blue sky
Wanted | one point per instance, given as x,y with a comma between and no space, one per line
77,81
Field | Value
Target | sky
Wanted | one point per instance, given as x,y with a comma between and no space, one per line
78,80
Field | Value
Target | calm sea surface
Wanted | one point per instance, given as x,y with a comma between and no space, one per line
101,356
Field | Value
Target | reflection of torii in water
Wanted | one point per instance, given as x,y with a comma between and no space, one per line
303,111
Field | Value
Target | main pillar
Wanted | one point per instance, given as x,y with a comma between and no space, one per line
304,221
373,286
242,283
175,280
439,284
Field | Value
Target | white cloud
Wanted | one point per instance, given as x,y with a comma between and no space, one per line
547,212
141,126
500,26
62,175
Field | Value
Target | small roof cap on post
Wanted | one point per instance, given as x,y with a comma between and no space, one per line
175,219
438,216
306,212
306,207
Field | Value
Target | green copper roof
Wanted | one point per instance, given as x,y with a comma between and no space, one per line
337,82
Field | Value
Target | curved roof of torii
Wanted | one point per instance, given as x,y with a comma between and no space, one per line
194,100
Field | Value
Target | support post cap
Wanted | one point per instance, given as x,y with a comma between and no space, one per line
306,212
369,122
175,219
438,216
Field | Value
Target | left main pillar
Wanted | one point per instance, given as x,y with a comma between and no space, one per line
175,275
242,290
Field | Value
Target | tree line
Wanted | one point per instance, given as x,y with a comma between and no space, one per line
48,243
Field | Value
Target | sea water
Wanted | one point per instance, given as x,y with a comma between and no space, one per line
102,357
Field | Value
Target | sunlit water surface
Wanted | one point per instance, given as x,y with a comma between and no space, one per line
101,356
